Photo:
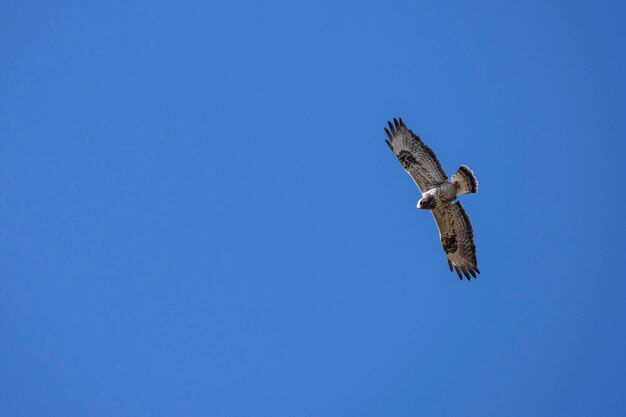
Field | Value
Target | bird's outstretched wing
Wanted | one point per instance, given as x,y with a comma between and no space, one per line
416,158
457,238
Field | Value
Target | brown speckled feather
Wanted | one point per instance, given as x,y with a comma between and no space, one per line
415,156
457,238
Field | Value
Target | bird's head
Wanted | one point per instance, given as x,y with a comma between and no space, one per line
427,202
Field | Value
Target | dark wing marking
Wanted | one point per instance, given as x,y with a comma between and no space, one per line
416,158
457,238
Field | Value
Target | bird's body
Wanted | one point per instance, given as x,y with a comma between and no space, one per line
438,195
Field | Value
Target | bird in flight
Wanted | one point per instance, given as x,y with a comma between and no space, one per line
438,195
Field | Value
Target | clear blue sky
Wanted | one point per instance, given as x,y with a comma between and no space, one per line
200,216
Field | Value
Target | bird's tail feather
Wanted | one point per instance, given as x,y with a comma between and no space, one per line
465,180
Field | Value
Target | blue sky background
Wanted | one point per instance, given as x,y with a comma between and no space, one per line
200,216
